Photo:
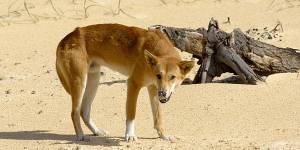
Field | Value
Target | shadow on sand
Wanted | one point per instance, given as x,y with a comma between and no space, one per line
109,83
66,139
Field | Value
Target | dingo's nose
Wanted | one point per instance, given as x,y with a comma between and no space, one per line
162,93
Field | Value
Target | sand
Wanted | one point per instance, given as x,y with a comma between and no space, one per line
35,109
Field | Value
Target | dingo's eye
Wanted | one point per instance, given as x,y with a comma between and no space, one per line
172,77
158,76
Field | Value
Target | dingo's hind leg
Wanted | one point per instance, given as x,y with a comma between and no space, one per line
89,95
77,91
74,69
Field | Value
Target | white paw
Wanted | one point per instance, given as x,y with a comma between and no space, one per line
100,133
131,137
172,139
129,134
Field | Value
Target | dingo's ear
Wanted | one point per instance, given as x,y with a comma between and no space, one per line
151,59
186,66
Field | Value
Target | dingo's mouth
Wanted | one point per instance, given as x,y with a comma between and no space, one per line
164,100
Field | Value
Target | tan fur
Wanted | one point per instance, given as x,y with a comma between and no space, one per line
140,54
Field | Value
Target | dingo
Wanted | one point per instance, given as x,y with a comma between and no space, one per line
147,57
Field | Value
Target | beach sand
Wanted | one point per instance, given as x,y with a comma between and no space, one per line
35,109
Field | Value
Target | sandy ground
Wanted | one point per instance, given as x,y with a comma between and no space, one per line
35,109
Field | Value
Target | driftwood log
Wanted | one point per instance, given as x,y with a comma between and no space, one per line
232,52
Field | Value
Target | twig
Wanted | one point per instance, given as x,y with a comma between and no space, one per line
279,24
228,21
121,10
127,14
8,9
119,7
187,2
53,7
271,4
26,8
164,2
85,9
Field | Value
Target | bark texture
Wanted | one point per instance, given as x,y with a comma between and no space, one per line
231,52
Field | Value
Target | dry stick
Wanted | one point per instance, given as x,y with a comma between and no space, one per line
121,10
8,13
271,4
277,25
188,1
228,21
85,10
92,6
119,7
53,7
26,8
127,14
87,7
164,2
8,9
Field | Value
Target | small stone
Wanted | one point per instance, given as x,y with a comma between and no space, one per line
269,37
33,92
8,91
11,125
40,112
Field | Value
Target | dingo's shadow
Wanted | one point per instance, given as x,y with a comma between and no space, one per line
67,139
109,83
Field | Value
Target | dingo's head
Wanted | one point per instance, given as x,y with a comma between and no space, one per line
169,73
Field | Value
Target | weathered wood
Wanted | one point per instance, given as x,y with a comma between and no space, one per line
238,54
265,59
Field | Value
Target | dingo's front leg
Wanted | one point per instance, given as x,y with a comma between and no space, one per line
132,94
156,111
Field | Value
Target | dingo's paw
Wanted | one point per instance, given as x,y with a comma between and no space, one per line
100,132
172,139
83,138
131,137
